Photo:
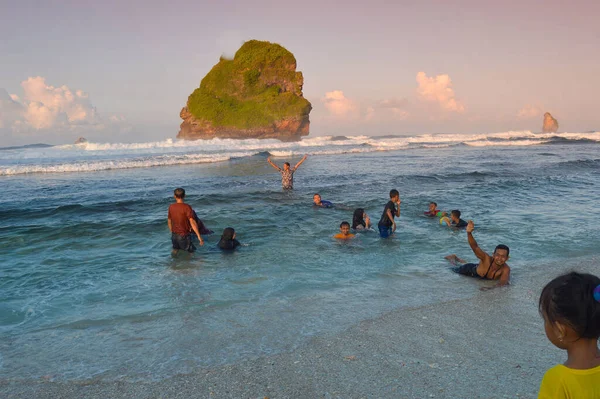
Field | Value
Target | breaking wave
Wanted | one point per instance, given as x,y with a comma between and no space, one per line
89,156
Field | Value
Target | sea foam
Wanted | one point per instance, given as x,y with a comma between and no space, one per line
90,156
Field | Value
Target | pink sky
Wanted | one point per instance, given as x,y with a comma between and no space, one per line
103,68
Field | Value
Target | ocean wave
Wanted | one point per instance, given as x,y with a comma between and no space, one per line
89,156
94,166
581,163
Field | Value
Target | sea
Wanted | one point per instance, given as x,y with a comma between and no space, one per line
89,288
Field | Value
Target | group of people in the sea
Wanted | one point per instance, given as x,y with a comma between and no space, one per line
489,267
569,304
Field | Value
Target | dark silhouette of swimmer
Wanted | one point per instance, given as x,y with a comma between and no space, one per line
228,241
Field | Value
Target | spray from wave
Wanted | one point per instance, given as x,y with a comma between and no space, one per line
89,157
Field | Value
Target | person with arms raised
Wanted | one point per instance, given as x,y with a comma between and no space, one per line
287,173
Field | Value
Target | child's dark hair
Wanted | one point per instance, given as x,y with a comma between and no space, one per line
569,299
394,193
433,203
358,218
455,212
179,193
286,163
228,233
344,223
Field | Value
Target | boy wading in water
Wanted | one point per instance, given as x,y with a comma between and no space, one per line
181,223
287,173
387,225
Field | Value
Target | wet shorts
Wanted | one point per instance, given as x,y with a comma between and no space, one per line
468,269
385,231
182,242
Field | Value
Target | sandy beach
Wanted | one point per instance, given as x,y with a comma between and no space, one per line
489,346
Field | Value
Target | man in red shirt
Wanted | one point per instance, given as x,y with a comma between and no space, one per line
181,223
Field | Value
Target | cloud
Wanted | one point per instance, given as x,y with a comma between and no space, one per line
11,110
45,110
530,111
397,107
49,106
438,90
370,114
338,105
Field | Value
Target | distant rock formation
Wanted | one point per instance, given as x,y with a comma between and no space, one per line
258,94
550,124
81,140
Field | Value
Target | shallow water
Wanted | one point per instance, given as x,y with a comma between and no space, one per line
88,286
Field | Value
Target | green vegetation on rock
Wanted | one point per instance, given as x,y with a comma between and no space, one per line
259,87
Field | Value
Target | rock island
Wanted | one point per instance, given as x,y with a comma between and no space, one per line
257,94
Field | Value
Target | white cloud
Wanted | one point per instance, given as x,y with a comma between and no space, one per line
49,105
10,109
370,114
438,90
530,111
45,110
338,105
397,107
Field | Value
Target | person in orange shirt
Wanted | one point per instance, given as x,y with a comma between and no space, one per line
344,233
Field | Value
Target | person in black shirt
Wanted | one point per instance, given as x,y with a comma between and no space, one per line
386,224
455,220
228,241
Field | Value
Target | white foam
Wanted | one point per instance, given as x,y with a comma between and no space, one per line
93,166
518,143
91,156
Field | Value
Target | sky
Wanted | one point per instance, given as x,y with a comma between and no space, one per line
120,71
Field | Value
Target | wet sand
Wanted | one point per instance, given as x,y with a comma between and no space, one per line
489,346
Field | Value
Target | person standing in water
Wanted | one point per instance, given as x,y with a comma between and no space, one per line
181,222
287,173
387,224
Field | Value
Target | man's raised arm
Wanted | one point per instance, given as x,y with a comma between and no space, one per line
272,164
300,163
472,243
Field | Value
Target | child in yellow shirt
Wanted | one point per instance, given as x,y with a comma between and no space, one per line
570,306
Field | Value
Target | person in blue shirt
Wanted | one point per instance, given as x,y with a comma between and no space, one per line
322,203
